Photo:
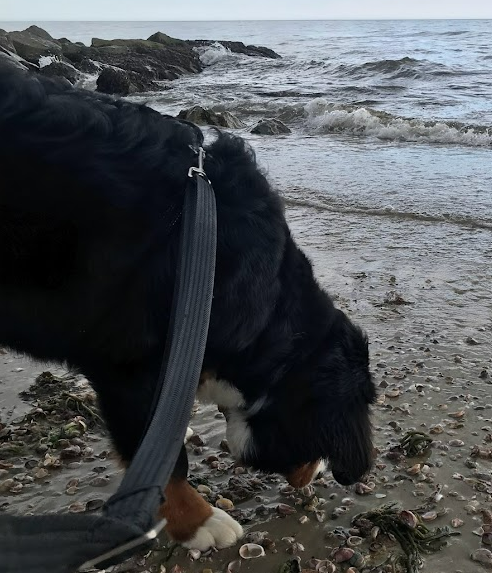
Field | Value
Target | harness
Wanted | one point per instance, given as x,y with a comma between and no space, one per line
66,543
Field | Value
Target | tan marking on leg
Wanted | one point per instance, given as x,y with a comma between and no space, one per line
185,510
303,476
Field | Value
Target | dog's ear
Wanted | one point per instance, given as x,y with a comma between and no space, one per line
347,440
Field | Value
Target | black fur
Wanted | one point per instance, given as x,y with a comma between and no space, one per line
90,203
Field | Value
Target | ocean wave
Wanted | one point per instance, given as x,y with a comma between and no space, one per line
325,118
325,204
403,68
210,55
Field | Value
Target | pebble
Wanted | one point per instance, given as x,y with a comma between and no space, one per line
224,504
6,485
483,556
202,488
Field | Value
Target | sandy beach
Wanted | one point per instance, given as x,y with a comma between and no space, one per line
427,310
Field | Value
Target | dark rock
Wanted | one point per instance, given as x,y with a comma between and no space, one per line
128,44
151,60
33,43
120,82
202,116
39,33
238,48
166,40
5,41
11,58
61,69
270,127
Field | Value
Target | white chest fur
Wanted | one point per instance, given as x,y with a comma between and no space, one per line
220,392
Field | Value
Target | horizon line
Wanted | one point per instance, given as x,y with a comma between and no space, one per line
344,19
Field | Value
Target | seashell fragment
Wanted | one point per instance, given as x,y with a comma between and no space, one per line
251,551
284,509
364,488
256,537
194,554
414,470
234,566
325,566
429,515
457,522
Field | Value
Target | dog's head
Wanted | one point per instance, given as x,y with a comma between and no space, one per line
317,414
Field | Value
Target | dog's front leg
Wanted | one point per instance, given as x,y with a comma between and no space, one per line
190,519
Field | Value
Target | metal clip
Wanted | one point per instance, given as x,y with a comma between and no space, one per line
142,540
199,170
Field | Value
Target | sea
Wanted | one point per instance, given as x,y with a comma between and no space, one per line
391,122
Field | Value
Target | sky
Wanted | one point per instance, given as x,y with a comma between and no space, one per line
162,10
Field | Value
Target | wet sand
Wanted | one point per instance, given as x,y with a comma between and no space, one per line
432,361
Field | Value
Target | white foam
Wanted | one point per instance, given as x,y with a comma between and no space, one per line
210,55
47,60
333,118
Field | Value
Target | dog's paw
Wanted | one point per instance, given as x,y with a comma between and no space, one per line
220,531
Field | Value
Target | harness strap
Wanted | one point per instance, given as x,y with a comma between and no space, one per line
63,543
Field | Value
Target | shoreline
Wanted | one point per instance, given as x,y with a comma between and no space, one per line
430,376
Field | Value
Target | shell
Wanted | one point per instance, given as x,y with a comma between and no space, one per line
194,554
251,551
414,470
483,556
409,519
303,519
325,566
354,541
224,503
364,488
202,488
284,509
343,554
234,566
487,538
429,515
256,537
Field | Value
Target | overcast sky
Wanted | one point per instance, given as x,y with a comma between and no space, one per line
240,10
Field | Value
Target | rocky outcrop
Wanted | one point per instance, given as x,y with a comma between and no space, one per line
202,116
61,70
238,48
270,127
124,66
8,57
33,43
119,82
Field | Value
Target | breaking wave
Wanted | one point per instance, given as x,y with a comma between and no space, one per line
210,55
325,118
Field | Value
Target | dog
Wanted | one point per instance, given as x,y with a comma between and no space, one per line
91,198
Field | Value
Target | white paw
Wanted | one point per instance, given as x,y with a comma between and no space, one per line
219,531
189,433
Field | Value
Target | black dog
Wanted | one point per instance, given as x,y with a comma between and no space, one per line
90,203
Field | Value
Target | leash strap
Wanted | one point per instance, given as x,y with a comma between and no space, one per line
65,543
